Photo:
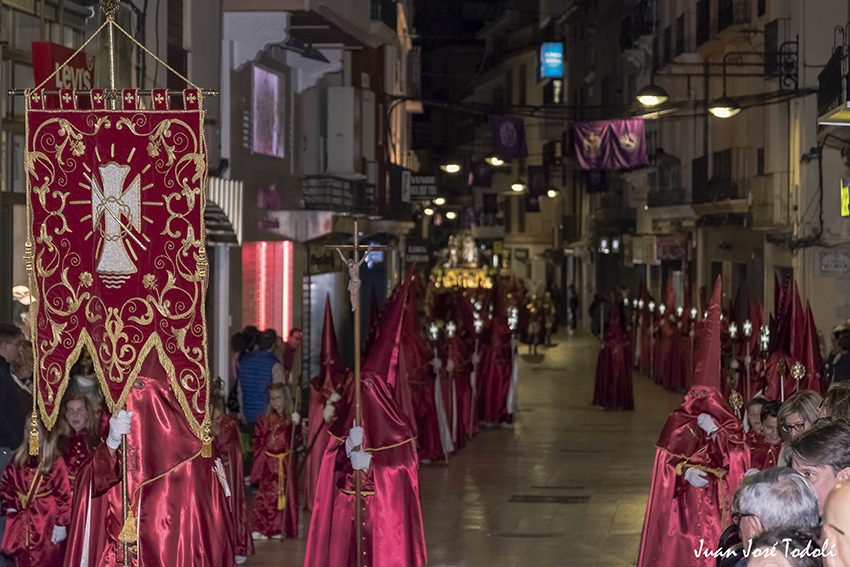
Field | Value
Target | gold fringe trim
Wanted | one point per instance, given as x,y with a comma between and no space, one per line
34,436
128,532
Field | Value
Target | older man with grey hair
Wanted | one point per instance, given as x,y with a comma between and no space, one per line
778,497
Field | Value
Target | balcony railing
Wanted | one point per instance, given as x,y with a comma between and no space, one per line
328,193
385,11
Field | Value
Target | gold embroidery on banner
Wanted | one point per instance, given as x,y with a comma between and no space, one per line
123,345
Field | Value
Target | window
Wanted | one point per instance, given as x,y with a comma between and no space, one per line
703,21
760,161
668,44
523,73
762,7
521,214
680,34
507,214
509,87
771,48
699,179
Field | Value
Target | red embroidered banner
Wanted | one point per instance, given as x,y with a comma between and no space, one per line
116,244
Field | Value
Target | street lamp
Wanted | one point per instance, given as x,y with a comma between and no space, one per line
724,107
439,201
651,95
451,215
518,186
450,168
552,193
429,211
494,161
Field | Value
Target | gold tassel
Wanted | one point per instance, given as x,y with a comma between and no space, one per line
34,436
128,532
206,448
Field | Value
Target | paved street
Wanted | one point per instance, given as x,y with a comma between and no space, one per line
567,486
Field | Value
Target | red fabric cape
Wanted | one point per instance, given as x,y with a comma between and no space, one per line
230,449
182,514
613,386
392,520
679,515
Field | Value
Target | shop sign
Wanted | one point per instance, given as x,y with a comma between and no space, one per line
47,57
521,254
845,196
417,186
835,262
417,251
322,260
672,247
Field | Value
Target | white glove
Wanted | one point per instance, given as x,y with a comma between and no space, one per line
734,365
360,460
706,423
10,511
328,413
355,439
335,398
59,534
696,477
751,472
118,426
475,358
296,418
450,366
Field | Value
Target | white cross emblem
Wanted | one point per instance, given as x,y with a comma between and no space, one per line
113,203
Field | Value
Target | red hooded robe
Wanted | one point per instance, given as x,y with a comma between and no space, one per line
680,516
391,520
332,379
182,513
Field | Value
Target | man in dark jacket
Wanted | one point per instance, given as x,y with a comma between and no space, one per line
13,407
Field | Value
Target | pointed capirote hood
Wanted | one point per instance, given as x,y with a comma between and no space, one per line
707,371
383,356
670,299
330,351
332,372
811,357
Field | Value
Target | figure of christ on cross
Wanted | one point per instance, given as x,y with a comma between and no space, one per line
354,289
354,274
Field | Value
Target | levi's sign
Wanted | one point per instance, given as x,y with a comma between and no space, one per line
47,57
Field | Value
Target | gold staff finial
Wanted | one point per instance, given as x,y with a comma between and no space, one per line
109,7
798,371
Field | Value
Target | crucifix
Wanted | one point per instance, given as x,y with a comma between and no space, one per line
354,289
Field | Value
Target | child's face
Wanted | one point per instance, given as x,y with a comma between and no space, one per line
754,417
76,414
276,400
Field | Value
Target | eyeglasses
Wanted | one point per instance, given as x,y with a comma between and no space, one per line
797,427
736,517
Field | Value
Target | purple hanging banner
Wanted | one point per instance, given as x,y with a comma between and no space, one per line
481,175
591,146
610,144
508,137
538,185
627,144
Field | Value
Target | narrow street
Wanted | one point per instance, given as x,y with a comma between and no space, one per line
566,486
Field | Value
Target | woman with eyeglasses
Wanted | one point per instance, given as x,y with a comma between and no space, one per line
798,413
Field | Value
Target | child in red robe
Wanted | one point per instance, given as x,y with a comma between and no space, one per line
226,440
78,432
36,498
276,503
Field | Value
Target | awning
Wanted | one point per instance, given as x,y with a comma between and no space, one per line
223,215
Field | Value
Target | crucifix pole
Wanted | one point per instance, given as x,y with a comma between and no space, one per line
109,8
354,289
